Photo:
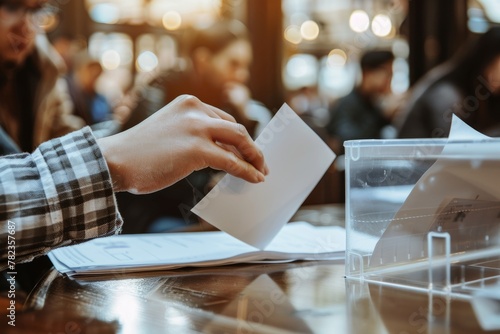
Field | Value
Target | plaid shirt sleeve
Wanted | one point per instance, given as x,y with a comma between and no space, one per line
59,195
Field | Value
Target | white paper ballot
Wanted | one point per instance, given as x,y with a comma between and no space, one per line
254,213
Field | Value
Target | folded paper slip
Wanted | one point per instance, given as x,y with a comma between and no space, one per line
297,159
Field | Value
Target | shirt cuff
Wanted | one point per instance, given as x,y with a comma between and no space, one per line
78,188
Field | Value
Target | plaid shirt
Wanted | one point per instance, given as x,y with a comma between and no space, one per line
60,195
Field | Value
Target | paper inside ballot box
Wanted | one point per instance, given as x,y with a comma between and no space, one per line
459,194
471,225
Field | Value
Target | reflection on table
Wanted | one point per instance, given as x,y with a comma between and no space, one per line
303,297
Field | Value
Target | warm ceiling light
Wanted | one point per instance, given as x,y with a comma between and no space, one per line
491,9
309,30
359,21
300,70
172,20
337,57
381,25
105,13
147,61
110,60
292,34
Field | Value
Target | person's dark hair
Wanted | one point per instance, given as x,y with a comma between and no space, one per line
375,58
476,55
218,35
12,2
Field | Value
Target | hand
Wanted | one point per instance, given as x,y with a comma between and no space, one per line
184,136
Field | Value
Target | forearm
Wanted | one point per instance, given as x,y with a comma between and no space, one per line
59,195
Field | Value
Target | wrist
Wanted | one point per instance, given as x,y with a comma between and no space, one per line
110,152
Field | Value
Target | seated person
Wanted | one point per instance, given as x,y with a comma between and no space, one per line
468,86
88,104
34,104
358,115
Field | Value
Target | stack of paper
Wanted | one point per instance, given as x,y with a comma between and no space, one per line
141,252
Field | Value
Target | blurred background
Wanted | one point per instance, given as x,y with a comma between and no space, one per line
305,52
297,43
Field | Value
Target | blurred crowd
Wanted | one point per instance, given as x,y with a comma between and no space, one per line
50,88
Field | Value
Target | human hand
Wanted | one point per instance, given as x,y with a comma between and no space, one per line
184,136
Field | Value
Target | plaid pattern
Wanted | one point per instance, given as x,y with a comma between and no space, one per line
61,194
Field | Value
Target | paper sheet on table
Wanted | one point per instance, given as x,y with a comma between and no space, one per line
160,251
468,170
254,213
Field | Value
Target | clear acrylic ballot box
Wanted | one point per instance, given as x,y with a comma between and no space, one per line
424,214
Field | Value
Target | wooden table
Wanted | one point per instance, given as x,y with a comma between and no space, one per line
305,297
301,297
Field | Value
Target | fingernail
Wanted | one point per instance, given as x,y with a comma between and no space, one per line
260,177
266,169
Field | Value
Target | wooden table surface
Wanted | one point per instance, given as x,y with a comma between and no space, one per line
300,297
303,297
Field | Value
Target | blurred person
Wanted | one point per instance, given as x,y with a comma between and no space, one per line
67,47
34,105
468,86
81,85
106,113
311,107
88,103
359,115
34,101
217,71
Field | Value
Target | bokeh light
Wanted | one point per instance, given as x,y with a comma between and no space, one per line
301,70
172,20
147,61
309,30
110,60
293,35
381,25
337,57
105,13
359,21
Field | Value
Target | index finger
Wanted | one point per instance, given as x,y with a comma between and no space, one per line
222,114
235,138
